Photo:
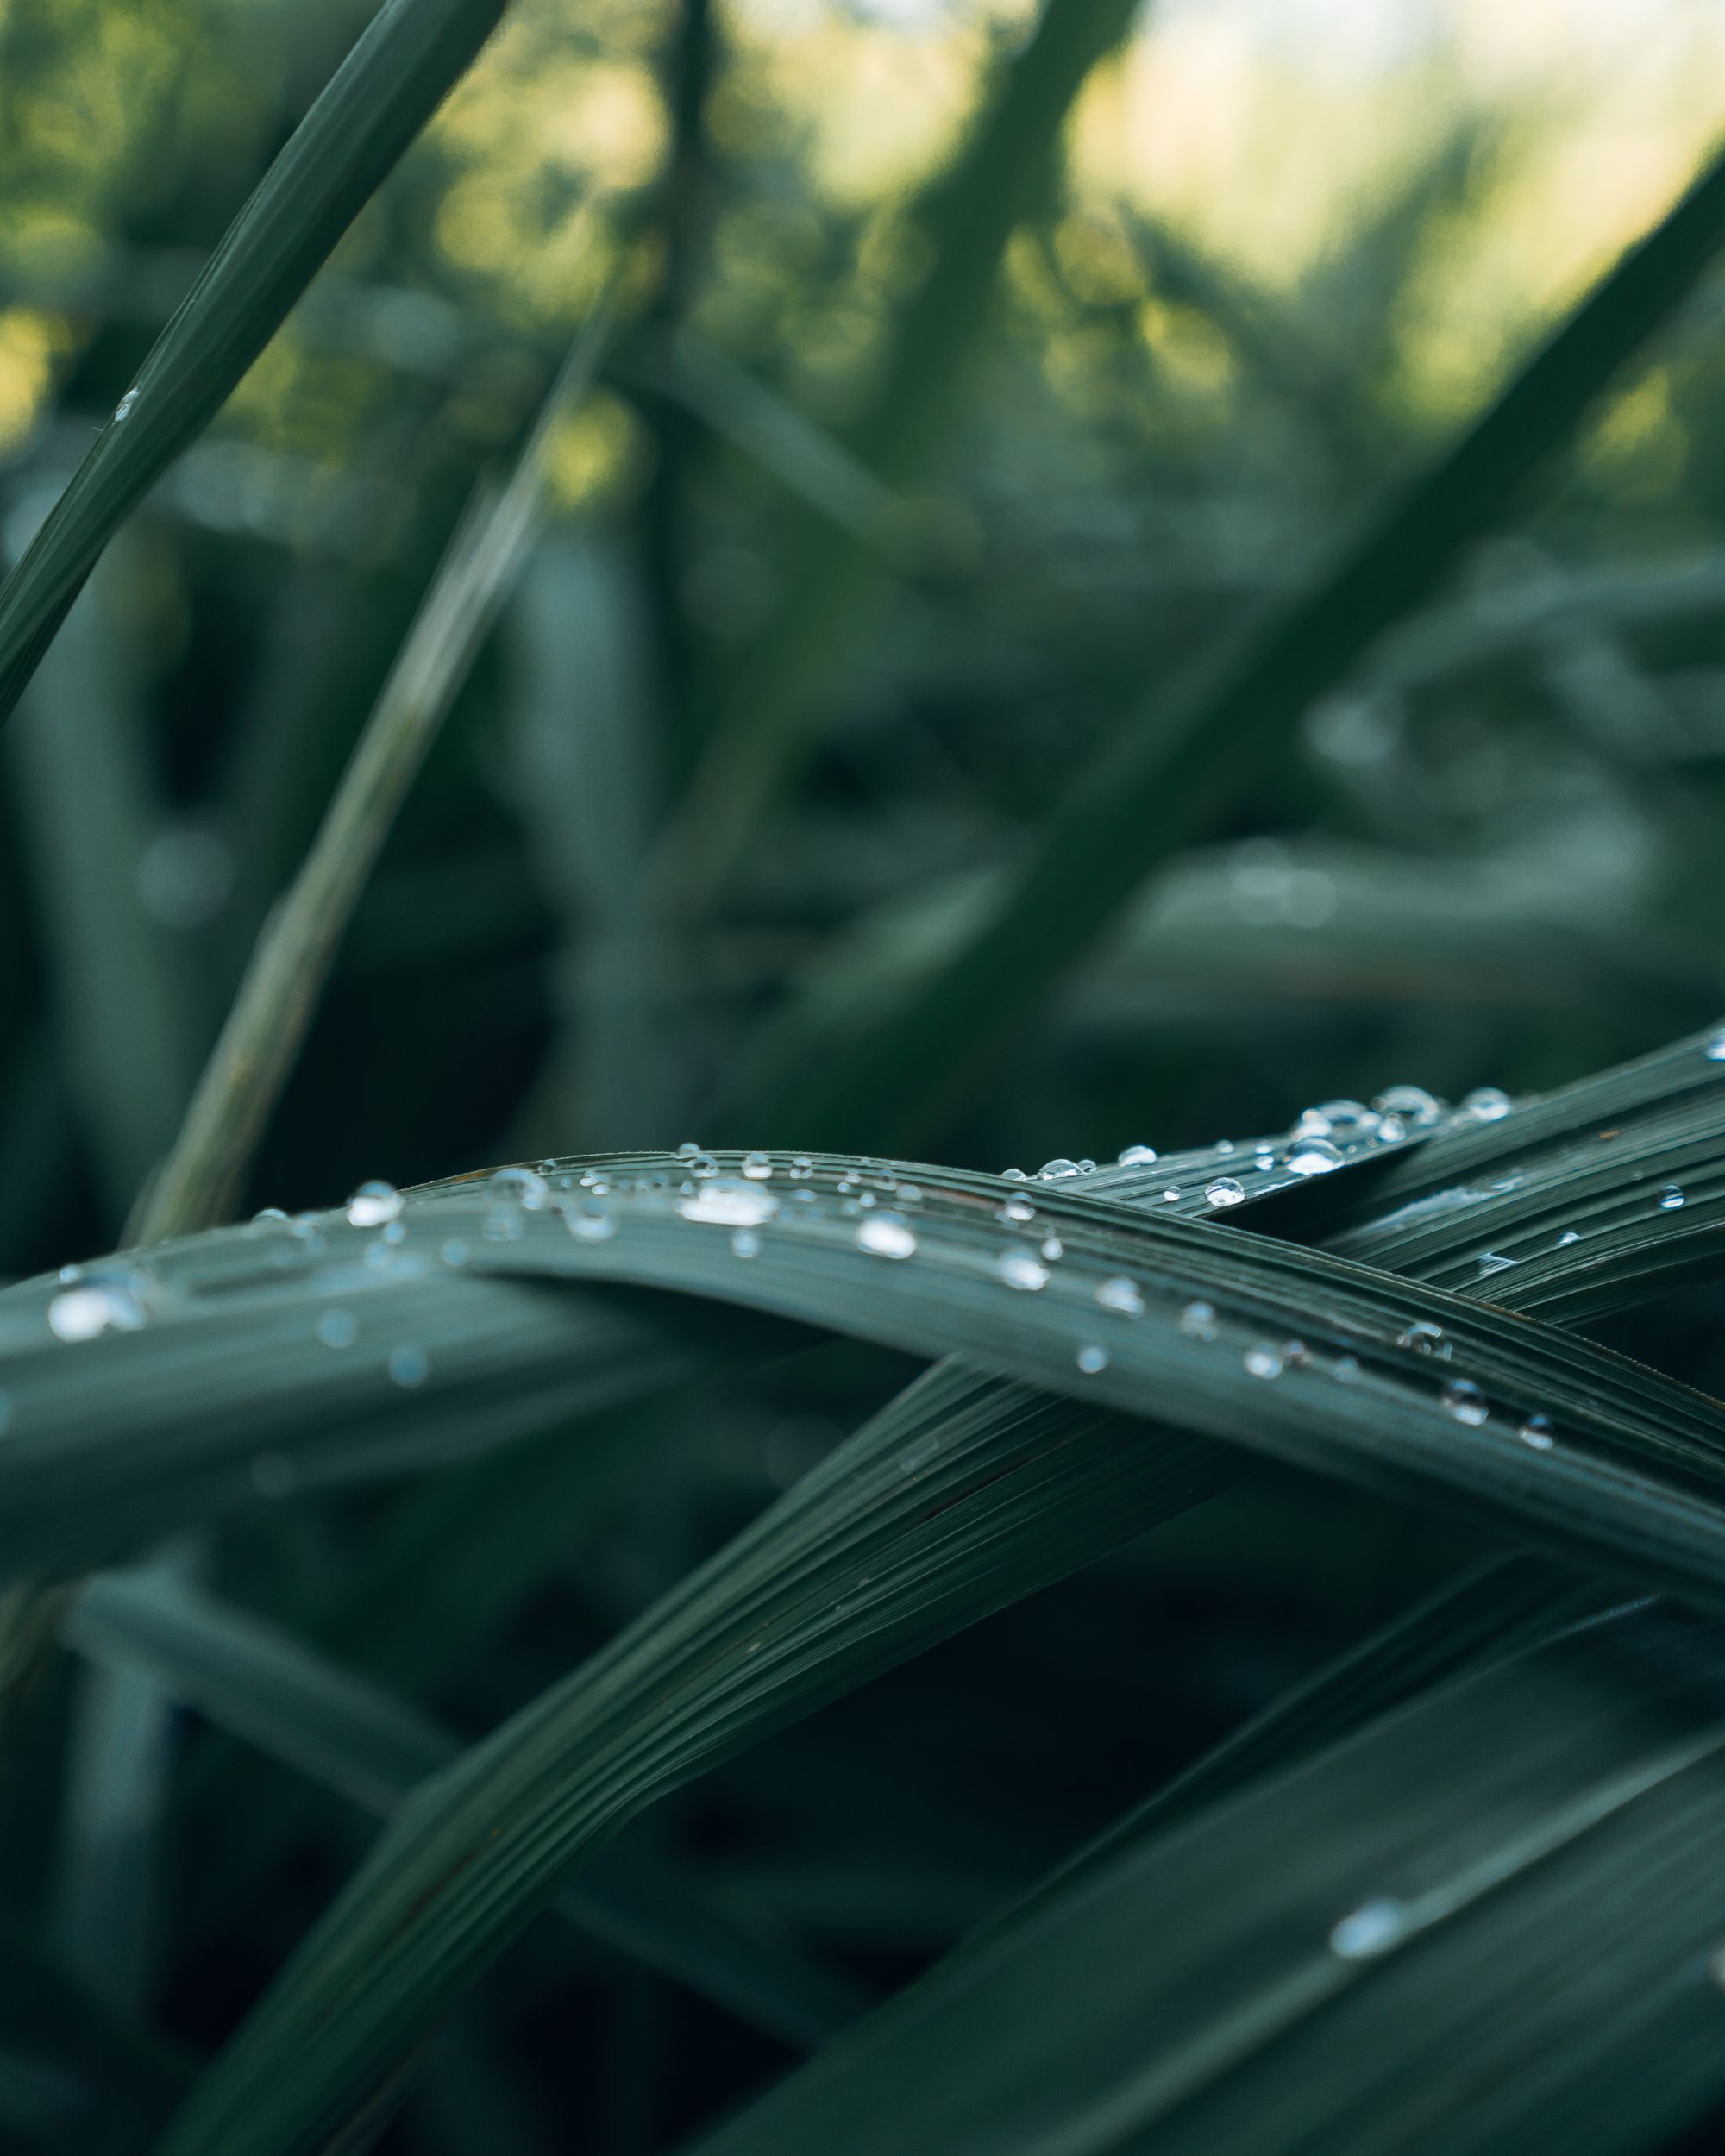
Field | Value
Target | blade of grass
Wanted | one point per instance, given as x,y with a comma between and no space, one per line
1175,766
253,1058
1487,1924
373,1750
885,1548
404,64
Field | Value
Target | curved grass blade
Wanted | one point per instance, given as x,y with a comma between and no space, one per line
1178,762
888,1547
371,1748
1493,1611
404,64
1483,1926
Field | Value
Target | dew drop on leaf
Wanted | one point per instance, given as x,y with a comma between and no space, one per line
373,1204
887,1235
407,1366
1021,1267
1091,1359
1465,1402
336,1328
1372,1928
1122,1294
1226,1190
729,1203
1312,1156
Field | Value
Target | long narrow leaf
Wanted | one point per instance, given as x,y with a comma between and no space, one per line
394,78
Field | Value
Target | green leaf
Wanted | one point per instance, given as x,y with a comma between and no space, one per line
1491,1613
1181,760
1485,1925
892,1544
768,706
404,64
371,1748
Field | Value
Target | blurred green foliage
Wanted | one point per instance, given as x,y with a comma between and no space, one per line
856,567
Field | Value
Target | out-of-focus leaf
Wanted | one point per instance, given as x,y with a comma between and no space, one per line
767,705
394,78
357,1739
1170,769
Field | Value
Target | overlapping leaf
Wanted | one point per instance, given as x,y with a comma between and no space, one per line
1487,1925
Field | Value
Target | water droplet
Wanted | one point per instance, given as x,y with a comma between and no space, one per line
1412,1105
1014,1175
1312,1156
393,1232
1226,1190
1091,1359
407,1366
688,1149
1136,1156
1086,1167
1714,1046
336,1328
1568,1236
745,1244
273,1474
1018,1209
305,1232
269,1213
1122,1294
371,1203
127,405
1391,1130
1424,1337
756,1167
1053,1249
1372,1928
1263,1360
1293,1354
1021,1267
1198,1320
590,1220
453,1252
1465,1402
802,1169
523,1186
1343,1120
1494,1262
730,1202
80,1313
1536,1431
1345,1368
1055,1171
887,1235
1670,1197
1485,1104
1171,1196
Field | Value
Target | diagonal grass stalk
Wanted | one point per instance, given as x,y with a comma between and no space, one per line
252,1060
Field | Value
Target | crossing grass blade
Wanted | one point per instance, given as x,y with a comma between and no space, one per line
369,1748
409,57
888,1547
1174,765
1484,1926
